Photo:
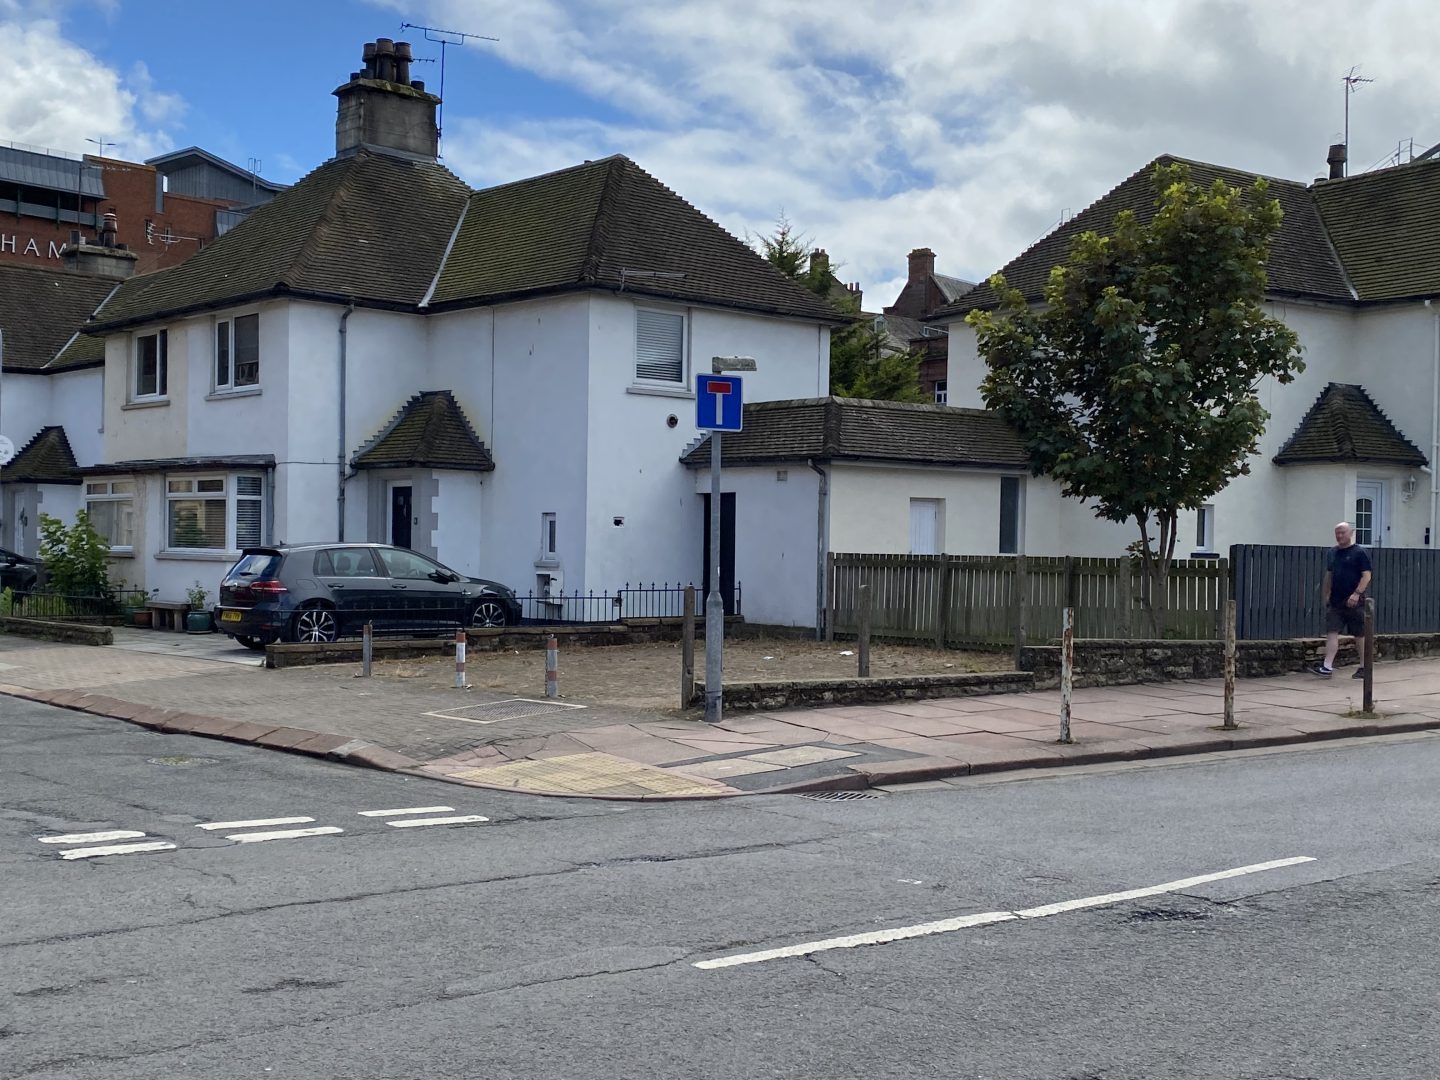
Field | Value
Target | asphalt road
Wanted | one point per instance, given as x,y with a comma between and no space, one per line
558,939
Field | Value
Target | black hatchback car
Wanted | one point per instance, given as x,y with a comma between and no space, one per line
319,592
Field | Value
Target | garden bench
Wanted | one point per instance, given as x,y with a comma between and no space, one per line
168,614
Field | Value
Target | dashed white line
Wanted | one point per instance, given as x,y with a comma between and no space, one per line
465,819
985,918
255,824
284,834
91,837
408,810
117,849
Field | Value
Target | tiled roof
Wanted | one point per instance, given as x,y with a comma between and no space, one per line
430,432
609,224
369,227
45,459
1386,227
840,429
1302,262
40,311
1344,424
952,288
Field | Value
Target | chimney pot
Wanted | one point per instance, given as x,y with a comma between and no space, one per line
1336,160
403,56
417,84
385,59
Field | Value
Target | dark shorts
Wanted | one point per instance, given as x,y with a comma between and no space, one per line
1345,620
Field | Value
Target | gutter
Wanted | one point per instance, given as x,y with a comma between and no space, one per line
340,460
822,547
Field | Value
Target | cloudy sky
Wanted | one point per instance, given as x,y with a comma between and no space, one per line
876,126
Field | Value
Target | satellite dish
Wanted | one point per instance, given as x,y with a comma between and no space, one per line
7,450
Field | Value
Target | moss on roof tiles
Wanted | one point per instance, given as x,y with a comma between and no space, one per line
1385,225
45,459
430,431
40,311
1345,424
609,224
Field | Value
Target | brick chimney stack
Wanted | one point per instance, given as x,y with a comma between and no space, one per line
1336,160
380,107
820,261
922,265
106,257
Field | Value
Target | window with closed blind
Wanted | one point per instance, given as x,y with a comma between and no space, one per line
214,513
659,346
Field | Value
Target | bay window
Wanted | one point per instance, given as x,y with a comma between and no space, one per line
214,513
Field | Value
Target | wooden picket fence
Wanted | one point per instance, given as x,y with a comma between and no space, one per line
944,600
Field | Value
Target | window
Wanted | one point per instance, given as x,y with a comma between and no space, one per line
1009,515
1205,528
942,392
237,352
547,536
659,346
151,365
110,505
926,526
406,565
345,562
214,513
1370,526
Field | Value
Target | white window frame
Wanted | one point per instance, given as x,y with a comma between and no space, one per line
162,367
225,332
942,391
549,536
104,491
682,379
1205,528
229,494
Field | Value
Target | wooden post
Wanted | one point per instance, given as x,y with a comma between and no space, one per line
942,612
1072,584
1223,592
687,650
367,648
1367,657
1229,609
1020,601
1126,598
830,596
1067,671
863,649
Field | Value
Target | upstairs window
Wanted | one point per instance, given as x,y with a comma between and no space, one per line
942,392
237,352
659,346
151,366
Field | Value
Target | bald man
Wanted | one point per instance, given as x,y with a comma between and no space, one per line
1347,576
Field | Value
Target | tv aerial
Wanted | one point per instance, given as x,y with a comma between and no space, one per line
444,38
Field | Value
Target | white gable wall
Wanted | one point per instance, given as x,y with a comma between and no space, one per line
25,406
75,404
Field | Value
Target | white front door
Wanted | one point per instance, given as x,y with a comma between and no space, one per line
925,520
1370,524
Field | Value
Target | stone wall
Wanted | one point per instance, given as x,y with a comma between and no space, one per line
72,633
794,693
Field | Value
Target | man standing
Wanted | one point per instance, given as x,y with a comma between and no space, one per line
1347,577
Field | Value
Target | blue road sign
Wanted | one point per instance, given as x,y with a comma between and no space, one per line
718,403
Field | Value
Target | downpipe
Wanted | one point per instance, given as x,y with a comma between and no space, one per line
822,545
340,457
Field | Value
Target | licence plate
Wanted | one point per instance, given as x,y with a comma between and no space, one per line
230,616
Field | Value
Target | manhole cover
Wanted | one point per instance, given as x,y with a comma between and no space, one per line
493,712
837,796
183,759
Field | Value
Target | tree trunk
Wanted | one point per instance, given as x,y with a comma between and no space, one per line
1155,570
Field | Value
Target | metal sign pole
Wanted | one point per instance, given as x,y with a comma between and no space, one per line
714,605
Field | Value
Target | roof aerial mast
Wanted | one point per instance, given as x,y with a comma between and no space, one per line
444,38
1352,80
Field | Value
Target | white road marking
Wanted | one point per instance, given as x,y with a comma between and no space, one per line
117,849
91,837
408,810
416,822
257,823
985,918
284,834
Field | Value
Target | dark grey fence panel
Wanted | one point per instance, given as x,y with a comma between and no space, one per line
1277,590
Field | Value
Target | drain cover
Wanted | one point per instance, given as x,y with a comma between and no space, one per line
837,796
183,759
492,712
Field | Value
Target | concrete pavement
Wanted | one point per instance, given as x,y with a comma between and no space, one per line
567,748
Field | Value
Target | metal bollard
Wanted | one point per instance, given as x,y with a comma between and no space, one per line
1067,672
367,649
552,667
460,683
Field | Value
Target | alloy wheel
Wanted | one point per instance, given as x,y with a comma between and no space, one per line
315,625
488,613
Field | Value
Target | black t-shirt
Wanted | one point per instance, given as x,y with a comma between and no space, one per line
1346,566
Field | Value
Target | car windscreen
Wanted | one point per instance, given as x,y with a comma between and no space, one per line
257,566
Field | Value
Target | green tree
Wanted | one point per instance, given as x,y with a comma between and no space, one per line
859,365
1134,385
77,558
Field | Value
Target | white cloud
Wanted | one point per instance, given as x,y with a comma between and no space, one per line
882,125
58,95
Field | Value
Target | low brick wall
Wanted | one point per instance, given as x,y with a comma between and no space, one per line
1116,663
794,693
71,633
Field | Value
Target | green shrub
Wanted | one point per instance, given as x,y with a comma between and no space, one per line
77,558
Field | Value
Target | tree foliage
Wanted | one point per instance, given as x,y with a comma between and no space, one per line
859,365
1134,385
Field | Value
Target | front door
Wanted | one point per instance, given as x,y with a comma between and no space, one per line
925,526
1370,523
727,552
400,515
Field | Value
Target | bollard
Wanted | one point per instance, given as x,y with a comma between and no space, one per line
552,667
687,650
1067,671
460,660
1229,724
1367,656
367,649
863,648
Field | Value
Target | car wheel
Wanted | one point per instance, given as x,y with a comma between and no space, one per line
488,613
314,625
258,644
